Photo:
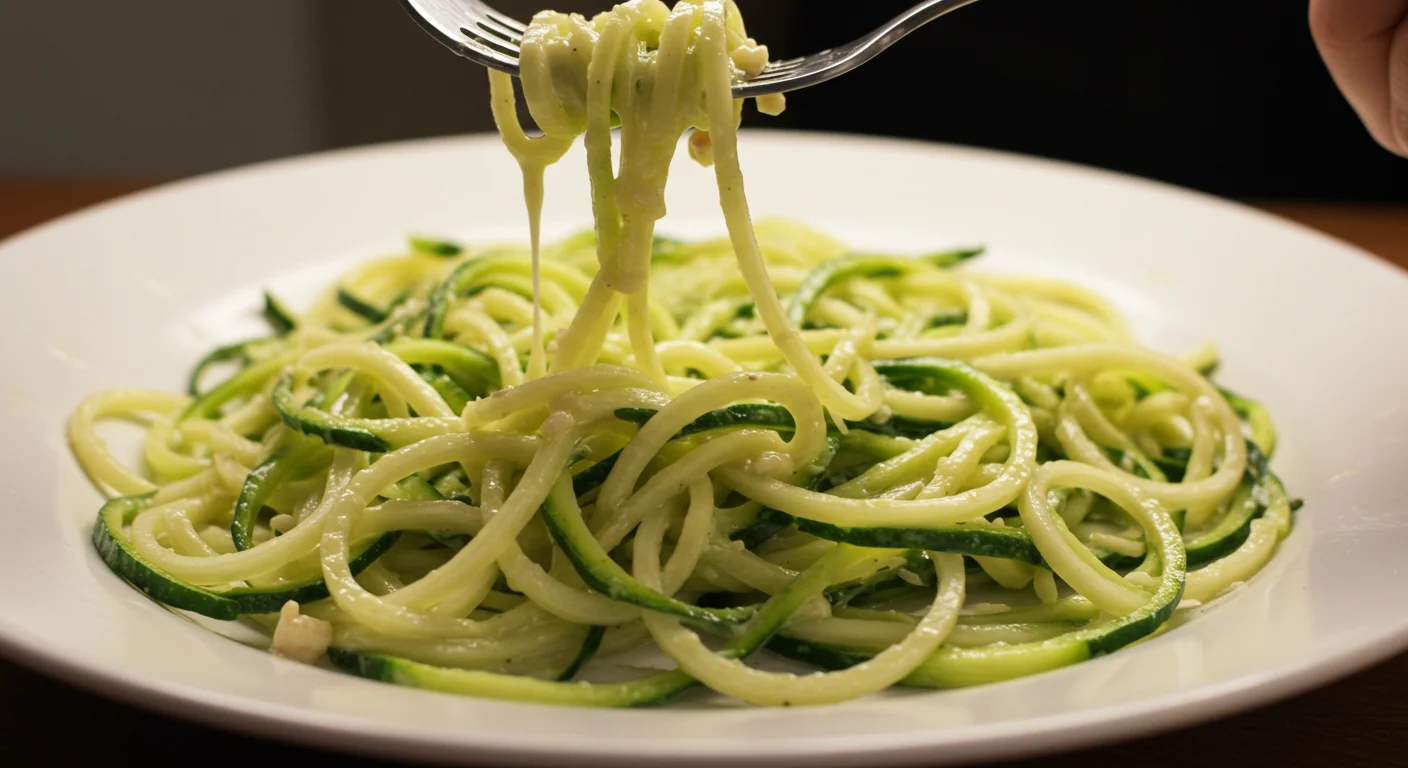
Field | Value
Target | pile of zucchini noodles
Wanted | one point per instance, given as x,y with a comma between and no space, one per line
478,470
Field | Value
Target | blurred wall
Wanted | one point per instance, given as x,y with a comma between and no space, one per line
147,87
384,79
1228,97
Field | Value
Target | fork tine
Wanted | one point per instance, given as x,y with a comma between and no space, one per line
489,19
773,75
475,30
513,25
456,24
496,31
782,67
786,70
787,63
488,57
491,42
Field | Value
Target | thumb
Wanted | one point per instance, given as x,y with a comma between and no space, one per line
1365,46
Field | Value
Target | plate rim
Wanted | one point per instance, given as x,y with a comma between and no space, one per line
1043,734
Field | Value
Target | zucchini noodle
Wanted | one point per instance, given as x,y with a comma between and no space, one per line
501,471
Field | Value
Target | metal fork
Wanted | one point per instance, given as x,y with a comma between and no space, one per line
479,33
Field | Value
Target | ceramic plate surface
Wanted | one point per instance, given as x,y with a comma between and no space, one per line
130,293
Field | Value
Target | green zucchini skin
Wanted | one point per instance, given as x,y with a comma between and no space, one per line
127,563
916,562
950,667
243,351
1174,464
1260,429
1138,464
778,419
897,426
954,667
1224,539
927,374
257,601
278,316
402,323
326,427
249,379
917,566
297,458
590,645
953,257
817,655
363,309
459,283
470,368
604,575
234,351
641,692
821,279
1248,504
434,247
755,415
961,667
764,623
592,477
416,488
991,542
768,524
1013,544
977,541
771,522
449,390
944,319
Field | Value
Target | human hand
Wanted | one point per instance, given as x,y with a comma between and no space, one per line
1365,45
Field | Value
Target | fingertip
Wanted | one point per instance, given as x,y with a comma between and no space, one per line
1349,24
1397,140
1364,44
1398,89
1320,17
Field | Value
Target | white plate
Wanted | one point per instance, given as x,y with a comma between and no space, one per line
129,294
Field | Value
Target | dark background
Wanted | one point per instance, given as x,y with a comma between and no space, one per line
1227,97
